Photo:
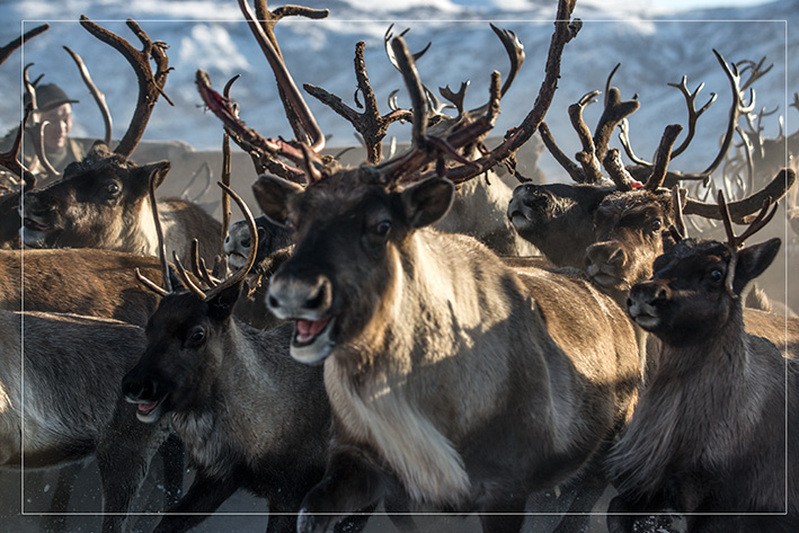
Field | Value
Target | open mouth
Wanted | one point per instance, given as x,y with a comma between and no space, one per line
34,225
312,341
307,331
236,260
147,411
646,321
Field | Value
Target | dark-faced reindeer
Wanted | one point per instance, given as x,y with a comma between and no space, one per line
439,365
713,429
544,214
250,416
102,202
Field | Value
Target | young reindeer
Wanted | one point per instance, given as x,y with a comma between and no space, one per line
250,416
709,432
102,201
445,368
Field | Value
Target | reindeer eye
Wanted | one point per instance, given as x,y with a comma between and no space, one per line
657,224
716,275
382,228
196,337
112,188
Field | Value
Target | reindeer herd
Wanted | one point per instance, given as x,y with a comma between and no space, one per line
411,334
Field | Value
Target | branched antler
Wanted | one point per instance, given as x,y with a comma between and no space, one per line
370,124
151,84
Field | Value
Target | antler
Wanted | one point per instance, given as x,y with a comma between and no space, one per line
159,232
565,31
240,274
151,84
739,210
663,157
99,97
10,159
735,242
737,107
370,124
300,117
678,230
7,50
36,129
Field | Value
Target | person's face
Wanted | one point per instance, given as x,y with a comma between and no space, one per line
60,118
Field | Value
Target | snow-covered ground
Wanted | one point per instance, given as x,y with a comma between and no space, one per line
654,45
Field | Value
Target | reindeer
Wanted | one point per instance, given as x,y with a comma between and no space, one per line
250,416
542,213
66,413
709,432
434,351
90,282
102,201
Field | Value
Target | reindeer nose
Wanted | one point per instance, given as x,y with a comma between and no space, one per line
609,253
134,387
293,297
648,292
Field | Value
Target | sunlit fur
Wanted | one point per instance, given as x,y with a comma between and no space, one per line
81,211
708,434
87,281
557,218
73,366
473,383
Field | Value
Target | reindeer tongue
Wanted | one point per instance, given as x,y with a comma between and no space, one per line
146,407
308,329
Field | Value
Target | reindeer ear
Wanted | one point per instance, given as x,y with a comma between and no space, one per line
221,306
155,171
427,202
753,260
272,194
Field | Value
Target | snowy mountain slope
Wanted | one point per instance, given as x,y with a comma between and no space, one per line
653,48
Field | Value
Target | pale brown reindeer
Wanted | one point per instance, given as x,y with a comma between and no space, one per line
709,433
250,416
102,201
445,368
546,214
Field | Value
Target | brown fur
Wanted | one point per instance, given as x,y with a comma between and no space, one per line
87,281
464,378
103,202
708,434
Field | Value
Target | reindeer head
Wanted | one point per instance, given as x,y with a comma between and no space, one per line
543,214
350,235
95,205
350,226
187,336
696,285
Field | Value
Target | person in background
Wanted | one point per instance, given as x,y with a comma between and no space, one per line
56,108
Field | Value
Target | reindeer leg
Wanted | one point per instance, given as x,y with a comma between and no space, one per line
172,456
61,495
504,523
351,482
123,456
205,495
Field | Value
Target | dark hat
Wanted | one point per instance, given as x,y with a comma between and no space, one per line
49,96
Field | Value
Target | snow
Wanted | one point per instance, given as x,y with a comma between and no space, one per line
655,46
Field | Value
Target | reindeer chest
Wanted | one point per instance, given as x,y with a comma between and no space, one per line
207,442
387,419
